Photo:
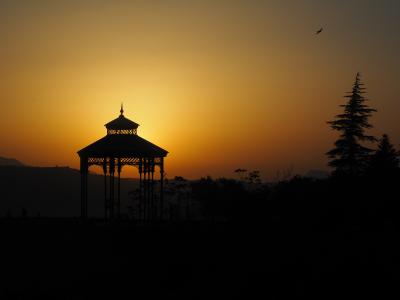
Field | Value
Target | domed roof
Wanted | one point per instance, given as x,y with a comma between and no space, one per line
121,123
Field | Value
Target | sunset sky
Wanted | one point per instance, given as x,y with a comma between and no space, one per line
219,84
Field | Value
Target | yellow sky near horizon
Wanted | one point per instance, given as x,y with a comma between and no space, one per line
219,84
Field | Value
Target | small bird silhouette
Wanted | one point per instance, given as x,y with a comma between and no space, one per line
319,31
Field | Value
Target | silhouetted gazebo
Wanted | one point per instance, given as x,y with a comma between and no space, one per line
123,147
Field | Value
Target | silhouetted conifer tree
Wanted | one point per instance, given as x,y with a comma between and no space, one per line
385,160
349,157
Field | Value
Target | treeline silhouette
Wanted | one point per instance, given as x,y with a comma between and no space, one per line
364,202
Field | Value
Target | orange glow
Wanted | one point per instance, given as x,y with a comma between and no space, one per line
220,86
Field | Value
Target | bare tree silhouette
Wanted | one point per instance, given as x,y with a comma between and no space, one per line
241,173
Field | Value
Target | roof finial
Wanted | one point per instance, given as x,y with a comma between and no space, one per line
122,108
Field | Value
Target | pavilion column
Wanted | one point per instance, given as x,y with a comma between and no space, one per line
119,188
112,172
145,173
161,188
105,188
148,190
140,187
152,188
84,187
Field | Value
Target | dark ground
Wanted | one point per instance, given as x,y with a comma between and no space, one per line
64,259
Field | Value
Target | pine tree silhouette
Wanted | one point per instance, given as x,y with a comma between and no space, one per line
349,157
385,160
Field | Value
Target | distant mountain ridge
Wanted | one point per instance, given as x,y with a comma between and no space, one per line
10,162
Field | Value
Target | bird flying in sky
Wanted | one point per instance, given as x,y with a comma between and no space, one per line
319,31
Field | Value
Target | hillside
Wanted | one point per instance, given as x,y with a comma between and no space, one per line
52,192
10,162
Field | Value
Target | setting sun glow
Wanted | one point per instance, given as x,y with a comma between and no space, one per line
219,84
